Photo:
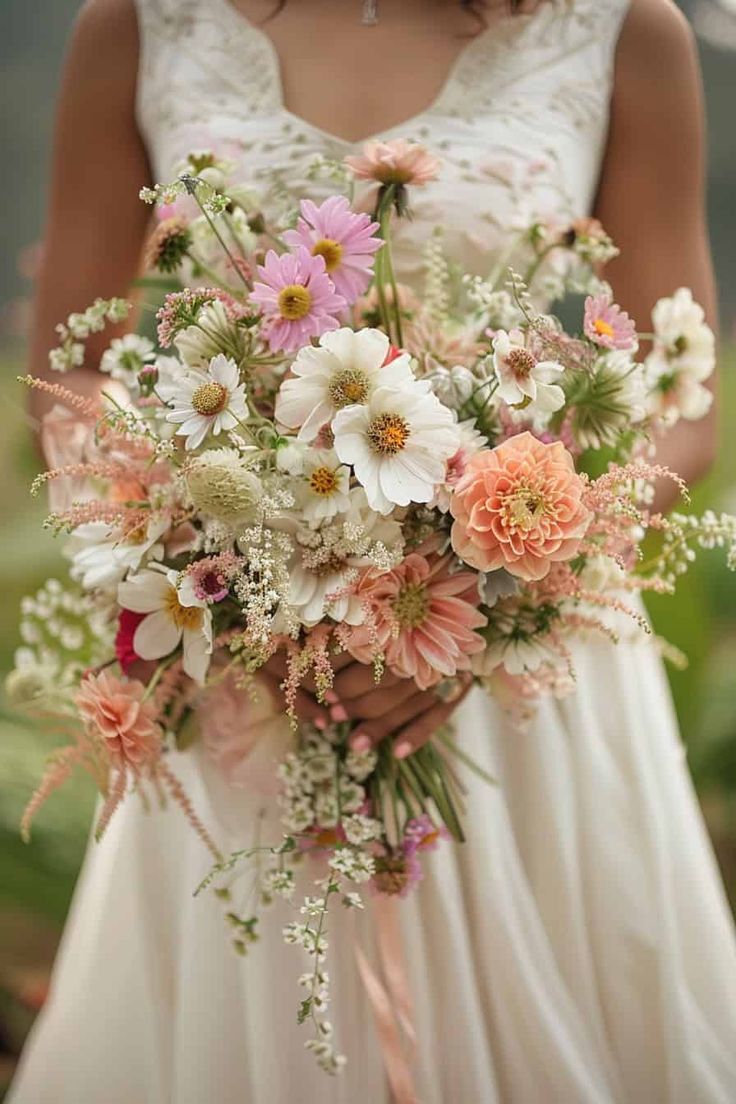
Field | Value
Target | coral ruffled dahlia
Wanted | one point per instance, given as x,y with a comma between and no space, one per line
345,240
519,506
115,711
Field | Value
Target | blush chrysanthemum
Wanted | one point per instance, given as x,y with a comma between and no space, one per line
519,506
297,297
345,240
422,617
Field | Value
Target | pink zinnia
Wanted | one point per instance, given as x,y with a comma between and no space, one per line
422,617
519,506
346,241
114,711
298,299
394,162
605,324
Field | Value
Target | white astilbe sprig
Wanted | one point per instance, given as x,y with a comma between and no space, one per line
79,326
264,587
436,301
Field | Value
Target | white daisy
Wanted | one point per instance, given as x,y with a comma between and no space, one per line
682,357
523,381
344,370
100,557
326,485
398,444
126,356
207,401
174,615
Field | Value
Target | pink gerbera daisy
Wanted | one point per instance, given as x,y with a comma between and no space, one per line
422,617
346,241
605,324
297,297
394,162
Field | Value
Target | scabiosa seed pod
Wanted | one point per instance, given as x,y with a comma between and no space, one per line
168,244
392,874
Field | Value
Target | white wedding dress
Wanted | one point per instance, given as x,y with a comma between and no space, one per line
577,949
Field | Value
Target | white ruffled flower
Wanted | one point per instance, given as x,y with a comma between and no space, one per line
344,370
453,386
207,402
325,490
682,357
212,332
174,615
523,381
519,657
398,444
100,557
126,356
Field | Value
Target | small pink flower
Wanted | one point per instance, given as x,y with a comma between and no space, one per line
422,617
114,711
212,576
519,506
422,834
394,162
298,299
345,240
605,324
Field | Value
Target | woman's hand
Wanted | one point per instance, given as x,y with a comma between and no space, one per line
394,707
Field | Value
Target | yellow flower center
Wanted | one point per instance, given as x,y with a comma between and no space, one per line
184,617
347,387
388,434
209,398
603,329
331,250
323,481
524,508
411,605
295,302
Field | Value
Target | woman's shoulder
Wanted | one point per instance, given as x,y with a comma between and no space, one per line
656,32
105,37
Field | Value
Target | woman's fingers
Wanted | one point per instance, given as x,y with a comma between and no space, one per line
305,706
379,702
358,679
373,731
423,727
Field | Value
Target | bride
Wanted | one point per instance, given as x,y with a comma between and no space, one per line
578,948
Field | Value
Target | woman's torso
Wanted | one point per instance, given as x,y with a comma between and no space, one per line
520,122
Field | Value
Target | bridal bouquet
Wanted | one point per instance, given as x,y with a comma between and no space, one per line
317,463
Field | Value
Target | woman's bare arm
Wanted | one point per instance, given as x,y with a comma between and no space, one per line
651,197
96,223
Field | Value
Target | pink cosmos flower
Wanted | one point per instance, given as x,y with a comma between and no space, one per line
519,506
297,297
114,711
394,162
422,834
422,617
346,241
605,324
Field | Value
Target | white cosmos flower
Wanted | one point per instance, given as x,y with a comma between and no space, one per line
101,557
524,381
325,563
126,356
398,444
682,357
207,401
174,614
345,369
326,485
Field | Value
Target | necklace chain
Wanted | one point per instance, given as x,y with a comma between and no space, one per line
369,17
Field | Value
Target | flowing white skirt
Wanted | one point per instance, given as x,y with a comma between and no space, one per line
577,949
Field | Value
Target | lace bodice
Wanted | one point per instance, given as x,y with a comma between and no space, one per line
520,123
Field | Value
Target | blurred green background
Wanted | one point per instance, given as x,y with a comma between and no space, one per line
36,881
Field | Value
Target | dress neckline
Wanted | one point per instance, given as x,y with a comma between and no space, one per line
491,39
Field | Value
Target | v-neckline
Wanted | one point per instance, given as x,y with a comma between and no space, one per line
242,24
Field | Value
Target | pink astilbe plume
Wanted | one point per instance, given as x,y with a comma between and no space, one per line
88,408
